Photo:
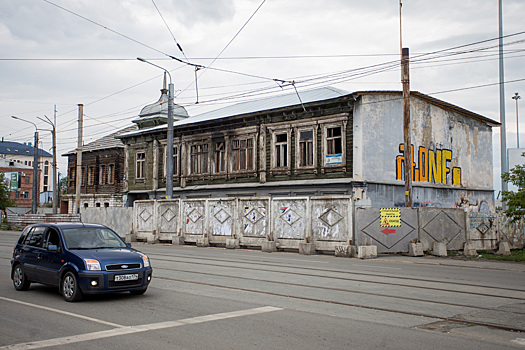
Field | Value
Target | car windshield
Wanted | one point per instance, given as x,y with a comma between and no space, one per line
92,238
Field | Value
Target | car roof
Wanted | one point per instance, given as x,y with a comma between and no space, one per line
67,225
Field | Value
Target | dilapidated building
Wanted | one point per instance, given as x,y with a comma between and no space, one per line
323,142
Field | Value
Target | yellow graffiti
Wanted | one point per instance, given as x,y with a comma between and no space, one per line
432,166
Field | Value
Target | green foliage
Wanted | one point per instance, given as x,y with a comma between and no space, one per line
515,255
62,185
515,200
8,228
5,201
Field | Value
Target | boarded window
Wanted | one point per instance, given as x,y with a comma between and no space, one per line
281,150
220,157
306,148
91,175
111,174
199,158
334,144
242,154
140,165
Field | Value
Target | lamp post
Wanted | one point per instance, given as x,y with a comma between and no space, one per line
517,97
169,151
55,184
34,200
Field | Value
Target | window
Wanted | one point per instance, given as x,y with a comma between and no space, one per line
242,150
83,179
220,157
51,238
281,150
141,160
46,168
91,175
17,195
25,195
334,143
36,236
27,179
72,176
111,174
199,158
102,174
306,148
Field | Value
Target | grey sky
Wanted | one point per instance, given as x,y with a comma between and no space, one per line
353,33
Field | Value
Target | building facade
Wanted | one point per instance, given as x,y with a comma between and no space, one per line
23,153
19,178
324,142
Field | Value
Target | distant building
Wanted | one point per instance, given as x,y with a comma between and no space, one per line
19,178
323,142
23,153
103,175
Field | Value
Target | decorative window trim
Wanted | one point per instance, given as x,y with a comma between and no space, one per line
274,132
204,159
140,177
249,138
176,154
91,175
111,173
334,161
223,159
298,156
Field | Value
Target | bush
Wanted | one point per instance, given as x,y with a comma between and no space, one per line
8,227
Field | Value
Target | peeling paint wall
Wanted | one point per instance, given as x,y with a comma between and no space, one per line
452,153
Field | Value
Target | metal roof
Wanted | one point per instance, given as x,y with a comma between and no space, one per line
17,148
292,99
5,163
106,142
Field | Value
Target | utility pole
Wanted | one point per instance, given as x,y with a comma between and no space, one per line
406,127
34,202
517,97
78,170
54,136
503,130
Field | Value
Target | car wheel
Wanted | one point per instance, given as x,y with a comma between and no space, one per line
20,280
70,288
138,292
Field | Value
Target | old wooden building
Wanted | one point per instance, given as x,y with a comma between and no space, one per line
321,142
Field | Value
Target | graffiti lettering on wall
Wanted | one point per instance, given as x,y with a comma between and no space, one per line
432,166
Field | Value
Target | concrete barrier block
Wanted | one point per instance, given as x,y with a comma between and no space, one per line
306,248
470,249
130,237
151,239
342,251
203,242
504,248
232,243
415,249
353,251
439,249
367,251
269,246
177,240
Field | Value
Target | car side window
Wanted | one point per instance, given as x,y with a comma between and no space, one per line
36,236
52,238
24,235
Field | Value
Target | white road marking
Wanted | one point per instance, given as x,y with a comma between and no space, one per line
62,312
136,329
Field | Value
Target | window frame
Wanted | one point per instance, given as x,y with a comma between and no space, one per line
326,139
200,151
274,133
246,164
298,150
142,166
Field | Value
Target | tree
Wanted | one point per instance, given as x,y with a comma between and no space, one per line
515,200
5,201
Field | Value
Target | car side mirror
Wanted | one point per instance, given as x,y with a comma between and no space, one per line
128,244
52,248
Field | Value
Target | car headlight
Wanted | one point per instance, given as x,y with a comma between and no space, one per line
145,261
92,264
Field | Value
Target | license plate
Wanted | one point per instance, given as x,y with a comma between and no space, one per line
128,277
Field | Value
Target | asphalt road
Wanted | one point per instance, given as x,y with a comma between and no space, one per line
214,298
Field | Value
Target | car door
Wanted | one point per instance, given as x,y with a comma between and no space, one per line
30,252
49,262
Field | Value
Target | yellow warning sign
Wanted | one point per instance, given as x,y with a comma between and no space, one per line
390,217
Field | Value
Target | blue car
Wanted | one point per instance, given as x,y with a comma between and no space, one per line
79,259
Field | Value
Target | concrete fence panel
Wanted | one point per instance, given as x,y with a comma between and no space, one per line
119,220
331,221
290,221
482,230
253,220
442,225
193,219
168,219
144,213
221,217
388,239
511,232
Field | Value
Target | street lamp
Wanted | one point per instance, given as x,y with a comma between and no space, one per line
55,184
517,97
35,166
169,151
